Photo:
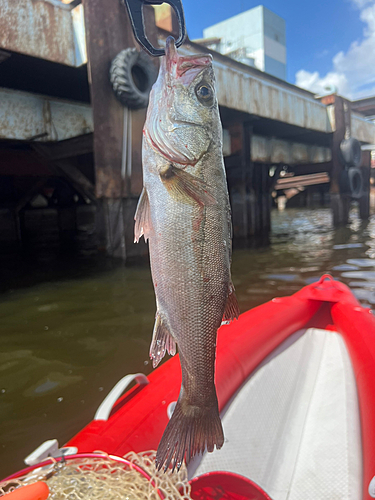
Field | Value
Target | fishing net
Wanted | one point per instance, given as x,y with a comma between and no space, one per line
106,477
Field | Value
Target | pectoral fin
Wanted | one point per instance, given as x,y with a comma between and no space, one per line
142,217
232,311
186,187
162,341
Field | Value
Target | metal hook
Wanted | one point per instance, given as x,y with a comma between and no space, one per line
135,11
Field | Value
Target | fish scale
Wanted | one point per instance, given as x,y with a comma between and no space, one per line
184,212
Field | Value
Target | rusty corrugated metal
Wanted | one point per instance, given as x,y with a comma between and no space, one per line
78,19
272,150
42,28
362,129
260,97
26,116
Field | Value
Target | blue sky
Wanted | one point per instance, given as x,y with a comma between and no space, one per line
328,42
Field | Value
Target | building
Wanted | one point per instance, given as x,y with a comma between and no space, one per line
255,37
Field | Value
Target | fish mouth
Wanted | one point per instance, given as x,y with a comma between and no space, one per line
184,68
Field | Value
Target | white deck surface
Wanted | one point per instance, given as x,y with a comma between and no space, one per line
294,427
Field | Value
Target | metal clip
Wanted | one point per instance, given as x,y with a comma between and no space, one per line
135,11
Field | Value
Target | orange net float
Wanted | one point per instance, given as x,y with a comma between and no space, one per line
34,491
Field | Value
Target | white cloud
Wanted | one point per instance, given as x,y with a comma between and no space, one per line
361,3
353,72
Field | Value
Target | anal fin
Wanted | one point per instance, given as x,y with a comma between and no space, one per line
162,341
186,187
232,311
142,218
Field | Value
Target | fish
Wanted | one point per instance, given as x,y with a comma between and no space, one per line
184,213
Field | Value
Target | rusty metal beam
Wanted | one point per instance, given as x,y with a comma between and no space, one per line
49,30
273,150
362,129
28,117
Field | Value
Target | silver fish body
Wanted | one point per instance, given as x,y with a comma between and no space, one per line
184,211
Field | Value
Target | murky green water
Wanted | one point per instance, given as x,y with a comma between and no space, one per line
70,331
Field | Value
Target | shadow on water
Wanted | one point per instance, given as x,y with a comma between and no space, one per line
71,329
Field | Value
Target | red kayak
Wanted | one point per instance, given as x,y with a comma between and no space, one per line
295,380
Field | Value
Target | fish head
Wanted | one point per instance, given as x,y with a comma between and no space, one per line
183,117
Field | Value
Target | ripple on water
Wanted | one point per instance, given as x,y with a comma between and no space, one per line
347,245
365,275
282,277
364,284
50,383
345,267
362,262
364,294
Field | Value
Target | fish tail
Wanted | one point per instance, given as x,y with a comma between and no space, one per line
190,431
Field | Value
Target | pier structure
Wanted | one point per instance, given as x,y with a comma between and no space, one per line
70,152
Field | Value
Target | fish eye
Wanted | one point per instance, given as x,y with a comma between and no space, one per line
204,93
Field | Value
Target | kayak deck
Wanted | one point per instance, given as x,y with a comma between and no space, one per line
294,425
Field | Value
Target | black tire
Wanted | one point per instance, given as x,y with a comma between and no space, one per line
351,152
132,74
355,182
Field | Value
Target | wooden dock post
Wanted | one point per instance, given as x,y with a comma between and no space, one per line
249,185
364,200
340,194
108,31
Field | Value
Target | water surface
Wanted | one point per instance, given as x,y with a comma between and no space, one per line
70,330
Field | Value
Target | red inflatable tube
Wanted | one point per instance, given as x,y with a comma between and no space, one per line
357,328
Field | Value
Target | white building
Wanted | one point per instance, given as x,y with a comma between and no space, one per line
255,37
